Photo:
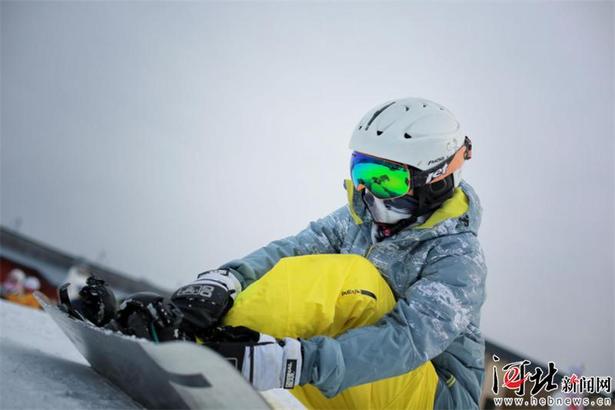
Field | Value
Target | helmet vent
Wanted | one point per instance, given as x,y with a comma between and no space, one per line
377,113
424,105
407,136
378,132
407,108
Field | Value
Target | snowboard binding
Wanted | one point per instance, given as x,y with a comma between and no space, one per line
144,314
96,302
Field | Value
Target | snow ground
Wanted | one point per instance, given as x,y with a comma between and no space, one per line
41,369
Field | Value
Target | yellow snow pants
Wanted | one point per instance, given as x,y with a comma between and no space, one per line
305,296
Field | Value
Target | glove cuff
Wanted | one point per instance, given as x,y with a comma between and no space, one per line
222,277
272,363
293,360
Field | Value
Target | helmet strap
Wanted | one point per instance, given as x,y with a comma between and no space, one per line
386,230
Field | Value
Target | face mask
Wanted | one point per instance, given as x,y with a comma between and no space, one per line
389,211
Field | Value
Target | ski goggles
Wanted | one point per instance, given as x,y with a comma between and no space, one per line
384,179
389,179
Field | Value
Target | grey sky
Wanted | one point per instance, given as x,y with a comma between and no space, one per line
172,137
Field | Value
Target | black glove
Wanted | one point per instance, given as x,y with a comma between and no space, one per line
97,302
206,300
146,315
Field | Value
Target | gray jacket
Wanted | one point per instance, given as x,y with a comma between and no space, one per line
438,277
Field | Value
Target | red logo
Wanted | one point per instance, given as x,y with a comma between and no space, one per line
513,379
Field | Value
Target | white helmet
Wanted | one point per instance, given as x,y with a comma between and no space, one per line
417,132
17,275
32,283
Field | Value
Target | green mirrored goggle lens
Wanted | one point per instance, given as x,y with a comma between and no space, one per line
382,178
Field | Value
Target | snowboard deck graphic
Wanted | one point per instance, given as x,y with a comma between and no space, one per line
170,375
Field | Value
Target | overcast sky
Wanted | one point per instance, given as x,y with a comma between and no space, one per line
163,139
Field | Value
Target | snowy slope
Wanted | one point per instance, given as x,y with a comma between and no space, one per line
41,369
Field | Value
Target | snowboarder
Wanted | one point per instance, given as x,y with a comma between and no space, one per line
31,284
14,283
376,305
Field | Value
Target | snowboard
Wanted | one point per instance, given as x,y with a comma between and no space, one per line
169,375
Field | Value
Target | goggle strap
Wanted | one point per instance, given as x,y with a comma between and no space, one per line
439,172
468,144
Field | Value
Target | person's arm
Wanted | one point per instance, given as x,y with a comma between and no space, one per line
206,300
322,236
434,311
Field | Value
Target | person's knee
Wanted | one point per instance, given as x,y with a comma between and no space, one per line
314,295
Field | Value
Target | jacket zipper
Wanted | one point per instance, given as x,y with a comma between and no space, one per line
368,251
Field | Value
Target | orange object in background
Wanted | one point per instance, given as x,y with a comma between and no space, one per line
27,299
31,281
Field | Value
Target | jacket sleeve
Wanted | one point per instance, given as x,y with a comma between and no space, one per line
434,311
322,236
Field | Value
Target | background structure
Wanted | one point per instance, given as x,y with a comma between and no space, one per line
163,139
